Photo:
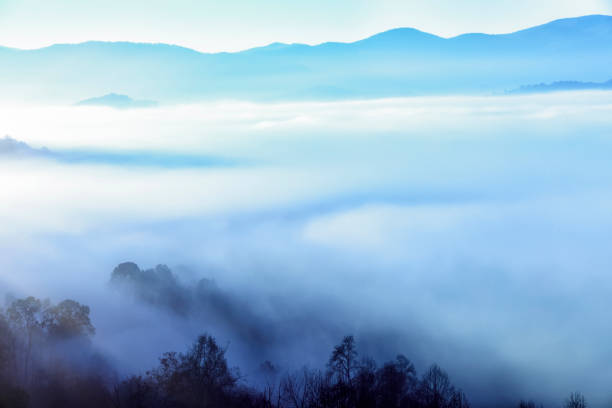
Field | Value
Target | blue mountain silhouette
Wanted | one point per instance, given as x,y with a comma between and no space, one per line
114,100
397,62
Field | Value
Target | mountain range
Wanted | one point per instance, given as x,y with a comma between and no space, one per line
399,62
561,86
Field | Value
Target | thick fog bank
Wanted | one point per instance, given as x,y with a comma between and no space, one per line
471,232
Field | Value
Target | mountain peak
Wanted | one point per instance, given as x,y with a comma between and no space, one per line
401,34
114,100
594,24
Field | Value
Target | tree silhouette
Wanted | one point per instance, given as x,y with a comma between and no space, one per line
198,378
575,400
25,320
35,335
342,363
436,390
396,382
527,404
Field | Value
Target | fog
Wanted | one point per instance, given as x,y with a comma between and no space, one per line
470,231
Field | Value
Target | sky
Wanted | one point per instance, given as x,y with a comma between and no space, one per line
231,25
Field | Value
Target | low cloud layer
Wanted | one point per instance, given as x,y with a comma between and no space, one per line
15,149
473,232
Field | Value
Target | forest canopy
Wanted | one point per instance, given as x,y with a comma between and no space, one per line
47,360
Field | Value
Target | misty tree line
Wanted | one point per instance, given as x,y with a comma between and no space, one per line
47,360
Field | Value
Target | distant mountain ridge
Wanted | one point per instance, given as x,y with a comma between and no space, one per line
398,62
559,86
118,101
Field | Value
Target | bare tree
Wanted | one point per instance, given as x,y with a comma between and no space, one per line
343,361
436,390
294,388
459,400
575,400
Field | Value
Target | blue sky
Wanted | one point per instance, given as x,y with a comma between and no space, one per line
231,25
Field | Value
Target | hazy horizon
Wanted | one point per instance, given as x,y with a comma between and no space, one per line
238,25
314,44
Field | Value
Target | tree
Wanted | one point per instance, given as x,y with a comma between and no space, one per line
12,396
6,346
294,390
134,392
125,271
68,319
32,334
459,400
436,390
575,400
25,321
198,378
365,384
342,363
396,381
208,365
